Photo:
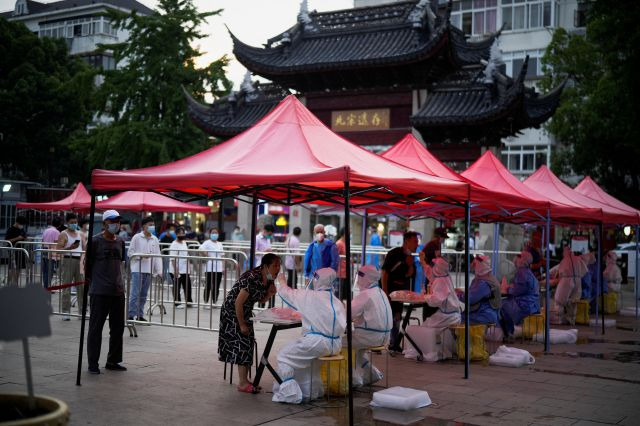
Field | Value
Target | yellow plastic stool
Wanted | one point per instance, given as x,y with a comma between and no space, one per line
381,349
477,347
329,360
531,325
582,312
611,303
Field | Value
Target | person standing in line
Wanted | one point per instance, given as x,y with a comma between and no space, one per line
143,268
107,294
214,268
71,240
293,264
49,238
342,267
180,269
398,271
321,253
237,234
263,242
166,237
15,234
431,251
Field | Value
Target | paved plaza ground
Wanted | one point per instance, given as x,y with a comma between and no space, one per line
174,378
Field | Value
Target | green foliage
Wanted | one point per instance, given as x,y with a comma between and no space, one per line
597,122
45,95
144,99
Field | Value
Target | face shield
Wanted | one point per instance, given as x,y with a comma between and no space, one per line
440,267
481,265
523,260
323,279
368,276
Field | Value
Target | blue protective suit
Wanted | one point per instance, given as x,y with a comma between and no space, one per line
480,293
590,283
374,259
523,300
321,255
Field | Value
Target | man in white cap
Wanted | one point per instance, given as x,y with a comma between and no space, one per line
323,323
373,321
107,294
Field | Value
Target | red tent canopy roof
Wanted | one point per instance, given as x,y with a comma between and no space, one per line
289,156
545,182
79,199
591,189
148,201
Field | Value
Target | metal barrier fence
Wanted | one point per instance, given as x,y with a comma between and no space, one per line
14,266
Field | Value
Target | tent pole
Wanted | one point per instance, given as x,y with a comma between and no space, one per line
221,219
87,274
467,229
347,238
635,281
254,223
547,295
364,236
496,247
600,277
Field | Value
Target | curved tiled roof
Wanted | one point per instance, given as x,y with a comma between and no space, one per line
235,113
407,35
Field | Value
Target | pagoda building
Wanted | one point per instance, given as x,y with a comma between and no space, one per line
375,73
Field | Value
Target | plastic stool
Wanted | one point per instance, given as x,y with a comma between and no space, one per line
528,327
458,330
582,312
380,349
329,360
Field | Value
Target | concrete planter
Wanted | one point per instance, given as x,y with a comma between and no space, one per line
49,411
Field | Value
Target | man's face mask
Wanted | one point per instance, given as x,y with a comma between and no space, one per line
113,228
319,236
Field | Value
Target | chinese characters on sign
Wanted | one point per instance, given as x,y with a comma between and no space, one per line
360,120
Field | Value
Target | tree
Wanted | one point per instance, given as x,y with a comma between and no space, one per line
143,100
45,95
597,122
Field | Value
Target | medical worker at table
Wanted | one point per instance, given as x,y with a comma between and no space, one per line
523,297
372,317
323,324
441,294
484,293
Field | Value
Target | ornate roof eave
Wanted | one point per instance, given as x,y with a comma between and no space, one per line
540,108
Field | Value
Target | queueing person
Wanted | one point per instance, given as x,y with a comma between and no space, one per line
214,268
107,294
484,293
321,253
236,338
263,242
72,241
570,271
589,281
323,324
372,319
180,269
293,264
17,261
523,297
49,263
613,276
441,295
143,269
398,272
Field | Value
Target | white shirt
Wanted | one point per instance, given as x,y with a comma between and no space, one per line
292,243
71,239
140,244
214,249
178,248
262,244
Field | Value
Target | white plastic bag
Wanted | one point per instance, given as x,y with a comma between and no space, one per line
558,336
511,357
401,398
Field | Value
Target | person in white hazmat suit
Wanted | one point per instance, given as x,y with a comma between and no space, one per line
323,324
612,274
372,318
441,294
569,271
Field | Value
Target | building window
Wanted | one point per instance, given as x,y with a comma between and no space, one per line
82,27
514,61
520,15
475,17
524,159
101,62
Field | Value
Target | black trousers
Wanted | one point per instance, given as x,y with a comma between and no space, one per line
101,307
213,282
184,281
292,278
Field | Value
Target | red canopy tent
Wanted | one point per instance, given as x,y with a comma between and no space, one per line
589,188
289,157
545,182
78,200
489,204
148,201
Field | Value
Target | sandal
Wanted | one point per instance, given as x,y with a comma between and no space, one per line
249,389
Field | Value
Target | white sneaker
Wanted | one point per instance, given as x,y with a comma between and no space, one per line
207,306
180,306
66,318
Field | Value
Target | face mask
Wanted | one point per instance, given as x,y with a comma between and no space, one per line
74,226
113,228
181,237
151,229
269,276
214,237
319,236
173,234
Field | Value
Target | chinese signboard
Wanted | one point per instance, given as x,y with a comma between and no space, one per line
360,120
